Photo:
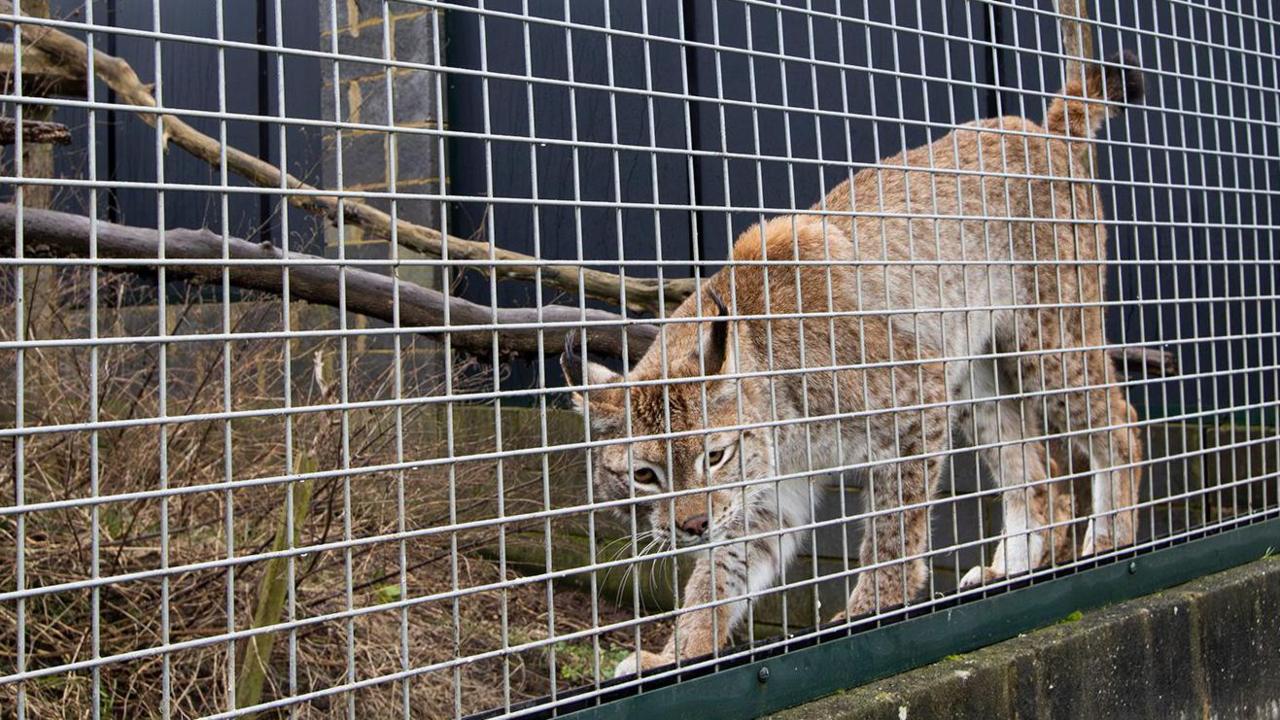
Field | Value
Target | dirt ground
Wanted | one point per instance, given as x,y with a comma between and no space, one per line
176,509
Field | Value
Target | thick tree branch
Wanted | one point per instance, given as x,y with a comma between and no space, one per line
1138,363
41,75
368,293
642,294
1077,45
67,235
34,131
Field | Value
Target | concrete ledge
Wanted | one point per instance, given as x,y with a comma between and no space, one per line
1207,649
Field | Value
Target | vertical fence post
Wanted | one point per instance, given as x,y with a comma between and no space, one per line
271,593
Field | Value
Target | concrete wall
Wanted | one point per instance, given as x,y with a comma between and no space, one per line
1207,649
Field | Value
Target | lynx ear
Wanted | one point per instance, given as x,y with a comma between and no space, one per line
604,414
716,348
573,363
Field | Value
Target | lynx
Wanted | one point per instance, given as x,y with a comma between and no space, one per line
956,286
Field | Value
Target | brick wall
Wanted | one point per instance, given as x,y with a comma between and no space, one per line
396,156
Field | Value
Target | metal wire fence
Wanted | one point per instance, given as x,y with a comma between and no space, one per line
378,358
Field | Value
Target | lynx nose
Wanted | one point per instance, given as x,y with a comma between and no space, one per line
696,525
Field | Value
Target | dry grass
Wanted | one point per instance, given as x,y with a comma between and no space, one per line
207,525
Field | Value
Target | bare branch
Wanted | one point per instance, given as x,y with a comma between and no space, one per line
34,131
368,293
41,75
641,294
1137,363
58,55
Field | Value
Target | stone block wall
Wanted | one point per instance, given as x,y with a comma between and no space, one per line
392,150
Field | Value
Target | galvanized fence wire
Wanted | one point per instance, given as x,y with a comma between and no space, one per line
227,493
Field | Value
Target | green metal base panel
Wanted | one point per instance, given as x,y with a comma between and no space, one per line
811,672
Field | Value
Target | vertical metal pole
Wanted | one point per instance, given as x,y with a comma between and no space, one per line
162,329
19,391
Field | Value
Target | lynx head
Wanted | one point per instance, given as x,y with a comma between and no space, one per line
700,409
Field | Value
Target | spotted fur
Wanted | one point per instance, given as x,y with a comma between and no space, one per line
920,308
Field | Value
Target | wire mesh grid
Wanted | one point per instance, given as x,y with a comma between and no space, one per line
406,358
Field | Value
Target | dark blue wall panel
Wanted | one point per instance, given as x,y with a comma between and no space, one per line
1186,185
627,182
126,148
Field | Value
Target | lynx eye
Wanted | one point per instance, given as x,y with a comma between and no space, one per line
716,457
645,476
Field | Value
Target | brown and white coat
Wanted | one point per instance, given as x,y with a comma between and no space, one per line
956,286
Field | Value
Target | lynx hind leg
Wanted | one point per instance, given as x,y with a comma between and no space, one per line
1114,449
1115,455
889,537
1022,468
1061,510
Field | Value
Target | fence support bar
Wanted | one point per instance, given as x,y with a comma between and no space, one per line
271,595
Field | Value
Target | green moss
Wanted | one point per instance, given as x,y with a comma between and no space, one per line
575,662
387,594
1075,616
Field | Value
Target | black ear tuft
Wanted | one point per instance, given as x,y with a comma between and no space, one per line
717,347
1124,78
570,361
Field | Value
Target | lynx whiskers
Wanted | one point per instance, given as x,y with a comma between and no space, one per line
932,311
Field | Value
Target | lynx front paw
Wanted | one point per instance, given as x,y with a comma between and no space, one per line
1095,542
882,591
978,576
646,660
1108,532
